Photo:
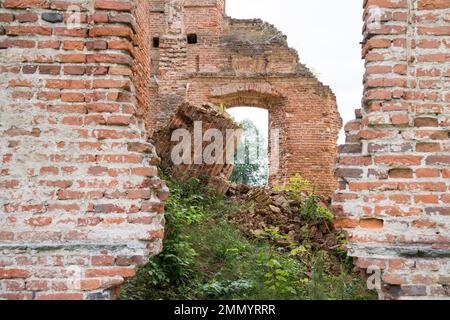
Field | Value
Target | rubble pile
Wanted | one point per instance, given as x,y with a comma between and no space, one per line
267,211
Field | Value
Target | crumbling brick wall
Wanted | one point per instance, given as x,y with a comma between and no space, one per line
80,204
244,63
205,126
394,169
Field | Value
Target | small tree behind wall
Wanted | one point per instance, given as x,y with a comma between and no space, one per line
251,158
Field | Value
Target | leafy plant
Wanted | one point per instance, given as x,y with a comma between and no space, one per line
221,107
217,288
183,205
296,185
310,210
280,273
272,234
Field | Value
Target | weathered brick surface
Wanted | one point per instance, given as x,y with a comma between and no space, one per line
80,205
394,168
244,63
214,168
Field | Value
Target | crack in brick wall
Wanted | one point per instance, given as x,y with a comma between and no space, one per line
394,168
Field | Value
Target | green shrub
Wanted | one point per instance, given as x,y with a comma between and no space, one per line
216,288
280,274
310,210
296,185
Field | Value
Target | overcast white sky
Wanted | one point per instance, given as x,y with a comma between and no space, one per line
326,34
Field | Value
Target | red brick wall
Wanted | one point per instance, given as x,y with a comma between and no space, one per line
395,167
248,63
302,109
80,205
216,175
142,63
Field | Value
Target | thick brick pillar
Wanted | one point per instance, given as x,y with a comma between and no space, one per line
395,167
80,203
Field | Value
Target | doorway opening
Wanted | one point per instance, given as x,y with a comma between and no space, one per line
251,160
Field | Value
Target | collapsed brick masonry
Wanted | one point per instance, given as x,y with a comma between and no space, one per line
213,168
394,170
80,203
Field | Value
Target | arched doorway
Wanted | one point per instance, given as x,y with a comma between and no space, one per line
251,161
274,105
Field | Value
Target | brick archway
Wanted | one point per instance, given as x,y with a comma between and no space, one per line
275,105
237,62
253,98
301,108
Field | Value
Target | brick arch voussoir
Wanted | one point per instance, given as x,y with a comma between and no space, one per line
251,98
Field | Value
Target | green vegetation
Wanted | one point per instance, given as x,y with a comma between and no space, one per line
206,257
311,211
309,208
296,185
